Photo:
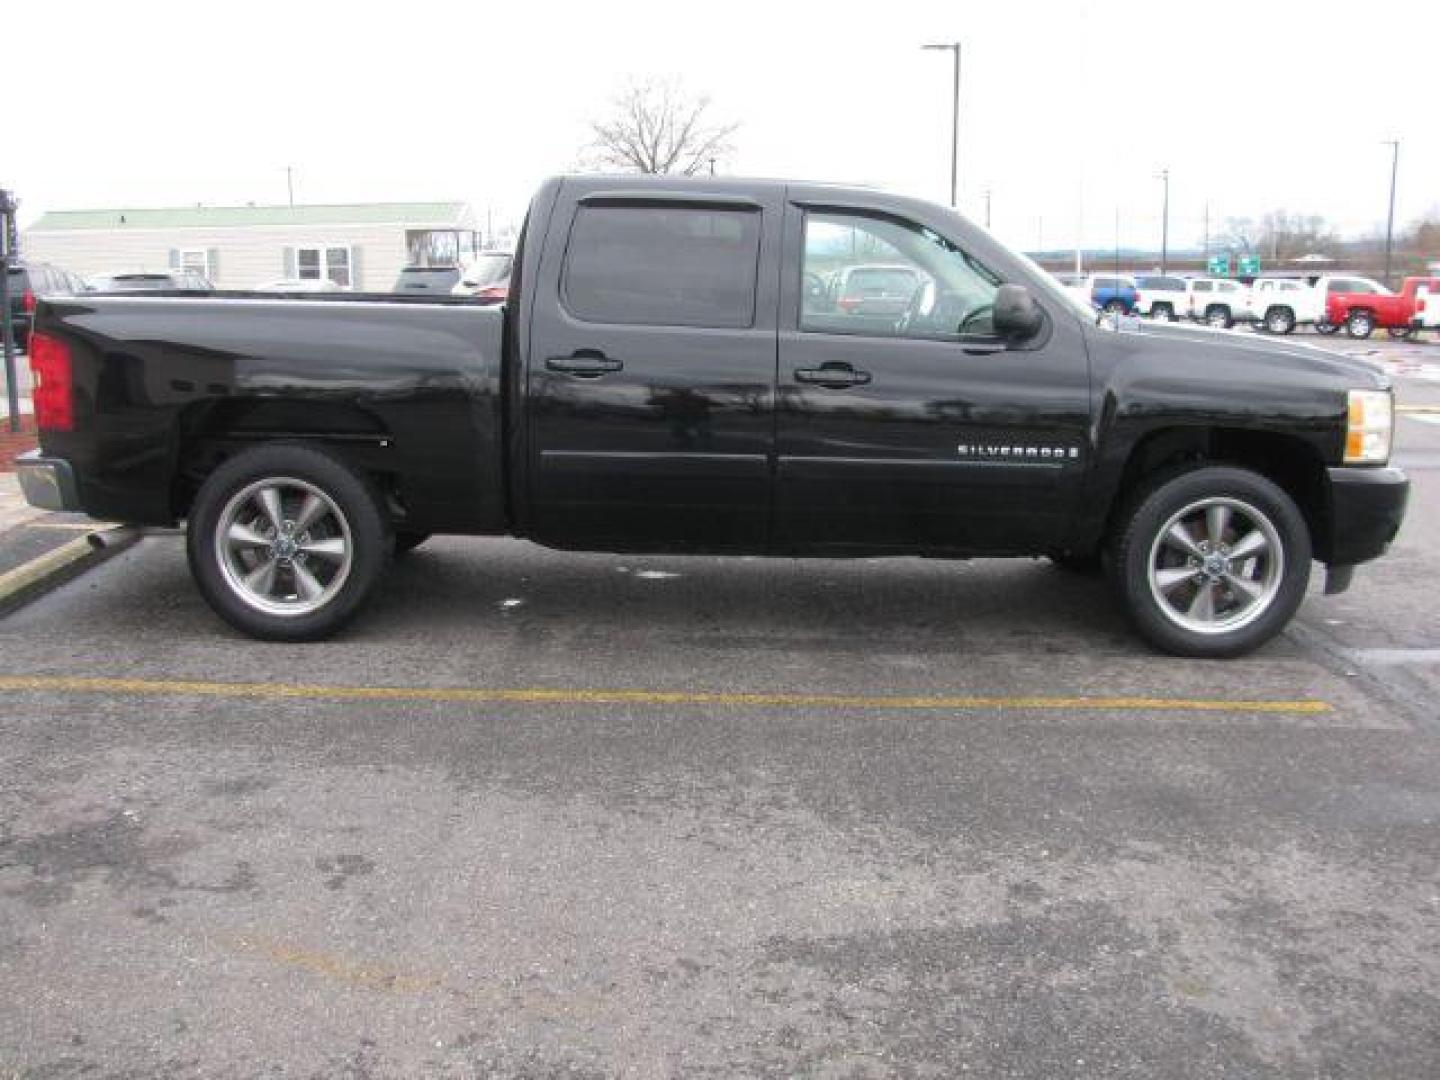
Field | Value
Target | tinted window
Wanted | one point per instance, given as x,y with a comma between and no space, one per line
663,266
1166,284
1111,283
1204,286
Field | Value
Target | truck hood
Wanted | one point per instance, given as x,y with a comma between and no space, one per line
1241,350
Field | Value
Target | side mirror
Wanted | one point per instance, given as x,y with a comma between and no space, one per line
1016,316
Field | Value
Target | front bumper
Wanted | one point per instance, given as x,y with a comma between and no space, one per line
47,483
1366,508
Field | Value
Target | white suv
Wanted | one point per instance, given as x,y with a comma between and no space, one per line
1219,302
1281,304
1163,296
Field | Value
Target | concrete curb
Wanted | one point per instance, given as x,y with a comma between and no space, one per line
51,570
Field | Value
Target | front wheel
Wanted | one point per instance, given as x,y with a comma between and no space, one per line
1401,333
1163,312
1213,562
286,542
1116,307
1280,320
1218,316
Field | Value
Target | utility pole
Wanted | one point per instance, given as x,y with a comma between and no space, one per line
954,47
1207,231
987,208
1394,145
290,182
1080,227
712,166
1165,224
8,206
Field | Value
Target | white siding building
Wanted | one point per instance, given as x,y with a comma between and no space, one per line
361,246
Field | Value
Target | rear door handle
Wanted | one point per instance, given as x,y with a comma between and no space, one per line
832,376
584,363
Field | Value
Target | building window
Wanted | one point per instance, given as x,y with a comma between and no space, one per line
325,262
196,259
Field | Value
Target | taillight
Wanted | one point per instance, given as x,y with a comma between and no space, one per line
848,303
28,300
54,393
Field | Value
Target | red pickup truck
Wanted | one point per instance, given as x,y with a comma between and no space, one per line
1368,305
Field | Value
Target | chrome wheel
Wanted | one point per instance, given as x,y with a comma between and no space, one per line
283,546
1218,317
1216,566
1279,321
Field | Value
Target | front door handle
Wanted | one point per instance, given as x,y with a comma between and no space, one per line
832,376
585,363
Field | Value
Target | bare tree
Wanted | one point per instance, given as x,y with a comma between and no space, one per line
657,126
1279,234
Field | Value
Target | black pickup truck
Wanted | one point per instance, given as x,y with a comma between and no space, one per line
676,370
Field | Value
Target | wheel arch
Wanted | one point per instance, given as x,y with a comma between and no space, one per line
209,433
1289,461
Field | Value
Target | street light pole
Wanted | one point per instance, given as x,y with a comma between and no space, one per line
954,47
987,208
1165,224
1394,145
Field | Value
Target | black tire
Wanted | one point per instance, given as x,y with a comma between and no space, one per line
1163,312
352,520
1116,307
1279,320
1218,315
1401,333
1360,325
407,540
1138,542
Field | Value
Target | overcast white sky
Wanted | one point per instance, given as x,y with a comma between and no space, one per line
1252,105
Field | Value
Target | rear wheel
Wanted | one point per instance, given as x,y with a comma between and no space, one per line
1163,312
1213,562
1326,328
1280,320
1218,315
1401,333
1360,324
285,542
1116,307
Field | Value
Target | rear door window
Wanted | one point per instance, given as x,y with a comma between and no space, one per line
662,265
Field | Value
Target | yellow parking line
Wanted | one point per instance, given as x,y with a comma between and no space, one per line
559,696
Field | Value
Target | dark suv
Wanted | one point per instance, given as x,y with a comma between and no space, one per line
29,280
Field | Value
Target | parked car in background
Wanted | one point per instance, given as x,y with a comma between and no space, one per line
300,285
27,282
1163,296
1326,284
487,278
1113,292
1219,302
427,279
873,290
150,281
1371,305
1281,304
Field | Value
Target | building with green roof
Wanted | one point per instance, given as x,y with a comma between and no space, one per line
361,246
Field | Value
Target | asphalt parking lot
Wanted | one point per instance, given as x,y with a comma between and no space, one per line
554,815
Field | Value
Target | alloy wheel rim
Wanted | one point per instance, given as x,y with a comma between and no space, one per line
1216,566
284,546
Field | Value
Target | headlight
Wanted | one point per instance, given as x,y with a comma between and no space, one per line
1368,427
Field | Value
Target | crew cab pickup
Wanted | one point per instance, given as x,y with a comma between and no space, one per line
671,373
1370,305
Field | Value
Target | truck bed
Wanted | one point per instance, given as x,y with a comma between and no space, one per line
166,383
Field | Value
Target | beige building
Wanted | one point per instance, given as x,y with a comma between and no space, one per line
360,246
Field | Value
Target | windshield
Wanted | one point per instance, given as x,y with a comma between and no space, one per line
1078,302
